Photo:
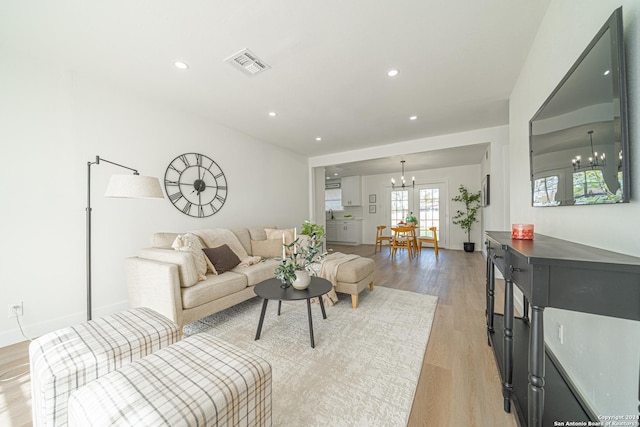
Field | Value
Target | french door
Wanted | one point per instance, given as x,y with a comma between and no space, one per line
428,203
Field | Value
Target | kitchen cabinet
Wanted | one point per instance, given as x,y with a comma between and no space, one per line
347,232
351,191
332,231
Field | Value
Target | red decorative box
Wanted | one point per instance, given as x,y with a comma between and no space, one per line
522,231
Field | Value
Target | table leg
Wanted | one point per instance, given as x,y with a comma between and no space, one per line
324,314
313,345
507,386
535,393
491,286
279,306
264,310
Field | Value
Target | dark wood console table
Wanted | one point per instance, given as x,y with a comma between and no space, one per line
555,273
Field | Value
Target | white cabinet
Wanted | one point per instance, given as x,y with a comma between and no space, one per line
351,191
345,232
332,231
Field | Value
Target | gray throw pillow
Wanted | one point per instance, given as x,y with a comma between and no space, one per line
222,258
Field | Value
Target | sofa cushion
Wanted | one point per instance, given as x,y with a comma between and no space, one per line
258,233
213,288
222,258
244,237
267,248
259,272
186,265
163,240
191,244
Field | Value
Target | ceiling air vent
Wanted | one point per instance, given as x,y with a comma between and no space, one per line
247,62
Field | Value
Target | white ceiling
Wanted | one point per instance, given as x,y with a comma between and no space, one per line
458,61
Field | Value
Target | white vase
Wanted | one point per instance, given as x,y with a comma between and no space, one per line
303,278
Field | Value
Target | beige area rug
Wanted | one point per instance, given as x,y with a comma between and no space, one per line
365,365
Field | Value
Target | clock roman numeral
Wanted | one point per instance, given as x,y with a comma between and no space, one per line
219,175
220,198
168,182
199,159
187,207
222,187
174,168
175,197
185,160
213,208
200,212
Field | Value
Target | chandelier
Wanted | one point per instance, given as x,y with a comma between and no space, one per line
393,181
595,160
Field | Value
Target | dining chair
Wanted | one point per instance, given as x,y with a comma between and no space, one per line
433,239
403,238
380,238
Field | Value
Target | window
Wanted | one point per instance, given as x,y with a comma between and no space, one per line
333,199
429,199
589,187
544,191
399,206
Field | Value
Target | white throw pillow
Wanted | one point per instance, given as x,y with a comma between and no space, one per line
191,243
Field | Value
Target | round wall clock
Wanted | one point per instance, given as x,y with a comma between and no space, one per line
195,185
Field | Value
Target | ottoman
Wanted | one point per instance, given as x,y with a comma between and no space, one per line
199,381
353,276
66,359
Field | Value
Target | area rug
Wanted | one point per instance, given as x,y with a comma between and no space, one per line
365,365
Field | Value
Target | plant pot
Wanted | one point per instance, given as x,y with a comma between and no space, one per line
469,246
303,278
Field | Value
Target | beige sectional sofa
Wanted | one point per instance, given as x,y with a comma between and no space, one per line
166,280
169,280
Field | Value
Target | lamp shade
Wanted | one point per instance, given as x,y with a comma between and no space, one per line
134,187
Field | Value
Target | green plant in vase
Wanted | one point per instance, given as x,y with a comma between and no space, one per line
304,254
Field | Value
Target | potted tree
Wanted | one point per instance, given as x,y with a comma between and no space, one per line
467,217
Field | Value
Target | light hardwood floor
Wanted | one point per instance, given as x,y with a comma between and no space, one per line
459,383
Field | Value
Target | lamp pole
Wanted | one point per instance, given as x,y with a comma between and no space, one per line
153,193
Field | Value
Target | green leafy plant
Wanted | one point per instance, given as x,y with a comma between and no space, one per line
304,253
311,229
469,216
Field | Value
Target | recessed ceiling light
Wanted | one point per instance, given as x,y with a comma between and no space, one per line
318,139
393,72
181,65
272,113
413,118
335,174
606,73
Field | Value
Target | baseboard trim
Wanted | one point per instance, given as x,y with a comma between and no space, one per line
34,330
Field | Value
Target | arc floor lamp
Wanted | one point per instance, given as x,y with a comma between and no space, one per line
131,186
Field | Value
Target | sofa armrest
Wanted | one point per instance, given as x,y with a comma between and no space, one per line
156,285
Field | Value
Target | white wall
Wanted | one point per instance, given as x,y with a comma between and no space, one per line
601,354
52,122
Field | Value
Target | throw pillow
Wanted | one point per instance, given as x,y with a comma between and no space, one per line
267,248
222,258
274,233
191,243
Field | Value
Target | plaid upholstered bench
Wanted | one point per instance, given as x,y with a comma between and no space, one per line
199,381
66,359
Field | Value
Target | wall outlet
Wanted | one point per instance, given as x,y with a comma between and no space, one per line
15,308
561,333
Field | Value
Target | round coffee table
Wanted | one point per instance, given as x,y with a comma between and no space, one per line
272,289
